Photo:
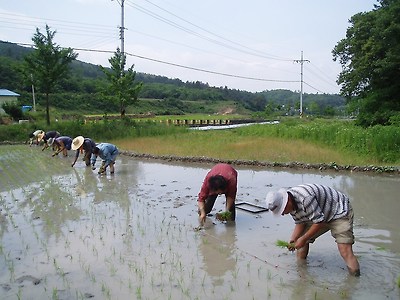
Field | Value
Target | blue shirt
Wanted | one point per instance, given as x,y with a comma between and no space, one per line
107,152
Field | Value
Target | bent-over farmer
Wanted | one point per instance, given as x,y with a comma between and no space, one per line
221,179
316,209
85,145
108,153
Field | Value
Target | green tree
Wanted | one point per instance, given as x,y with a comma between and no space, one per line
13,110
122,83
48,64
314,107
369,56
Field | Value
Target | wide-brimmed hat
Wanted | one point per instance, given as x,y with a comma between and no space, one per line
77,142
40,136
276,201
37,132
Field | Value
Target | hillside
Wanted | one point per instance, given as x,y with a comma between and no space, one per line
83,91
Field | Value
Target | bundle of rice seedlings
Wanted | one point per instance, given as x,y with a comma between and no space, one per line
224,216
284,244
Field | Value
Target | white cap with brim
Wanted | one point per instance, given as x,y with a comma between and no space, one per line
276,201
77,142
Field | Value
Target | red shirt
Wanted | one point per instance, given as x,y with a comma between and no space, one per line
230,176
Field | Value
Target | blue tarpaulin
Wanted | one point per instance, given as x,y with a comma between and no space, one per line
26,108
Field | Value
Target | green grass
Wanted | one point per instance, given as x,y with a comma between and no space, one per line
293,140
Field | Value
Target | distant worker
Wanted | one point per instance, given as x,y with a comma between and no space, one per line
83,145
34,137
221,179
46,136
61,144
108,153
315,210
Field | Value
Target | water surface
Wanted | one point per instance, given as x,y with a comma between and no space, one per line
68,233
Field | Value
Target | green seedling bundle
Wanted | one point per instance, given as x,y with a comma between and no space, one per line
284,244
224,216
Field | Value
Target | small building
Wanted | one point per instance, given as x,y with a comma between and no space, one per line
7,96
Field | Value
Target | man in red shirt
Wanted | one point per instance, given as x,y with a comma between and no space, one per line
221,179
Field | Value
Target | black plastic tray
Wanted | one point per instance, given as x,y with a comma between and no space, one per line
250,207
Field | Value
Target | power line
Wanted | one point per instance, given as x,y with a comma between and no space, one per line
210,72
249,51
253,51
180,65
103,33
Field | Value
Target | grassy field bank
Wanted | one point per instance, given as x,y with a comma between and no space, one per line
306,141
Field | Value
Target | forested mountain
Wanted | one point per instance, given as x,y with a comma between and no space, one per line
83,91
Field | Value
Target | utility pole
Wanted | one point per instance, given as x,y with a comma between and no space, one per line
301,61
122,28
33,94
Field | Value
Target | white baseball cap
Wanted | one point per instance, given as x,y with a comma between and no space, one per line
276,201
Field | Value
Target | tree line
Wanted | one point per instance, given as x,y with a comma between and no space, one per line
369,80
83,90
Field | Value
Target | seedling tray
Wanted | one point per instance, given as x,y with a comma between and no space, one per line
250,207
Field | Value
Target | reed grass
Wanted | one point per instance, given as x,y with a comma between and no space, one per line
292,140
229,146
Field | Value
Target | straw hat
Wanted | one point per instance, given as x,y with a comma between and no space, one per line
37,132
40,136
77,142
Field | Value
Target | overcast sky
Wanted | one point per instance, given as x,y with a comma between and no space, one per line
251,45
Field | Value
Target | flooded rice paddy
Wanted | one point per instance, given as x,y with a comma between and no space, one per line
68,233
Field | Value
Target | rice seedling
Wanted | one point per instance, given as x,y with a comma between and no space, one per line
139,293
19,294
224,216
106,290
284,244
54,295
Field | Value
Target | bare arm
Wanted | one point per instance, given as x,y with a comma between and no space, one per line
229,203
301,241
202,211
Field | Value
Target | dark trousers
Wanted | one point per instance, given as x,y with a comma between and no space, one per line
86,157
209,204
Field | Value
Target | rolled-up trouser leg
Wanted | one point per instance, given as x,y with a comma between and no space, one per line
209,203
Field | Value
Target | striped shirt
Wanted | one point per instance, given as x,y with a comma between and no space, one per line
318,203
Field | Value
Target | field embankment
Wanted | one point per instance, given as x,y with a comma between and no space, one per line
338,144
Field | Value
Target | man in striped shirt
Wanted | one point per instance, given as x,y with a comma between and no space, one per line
317,209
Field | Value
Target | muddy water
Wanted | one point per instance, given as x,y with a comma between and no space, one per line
67,233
